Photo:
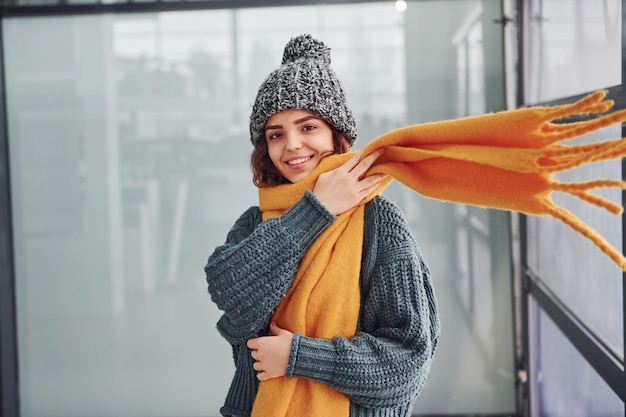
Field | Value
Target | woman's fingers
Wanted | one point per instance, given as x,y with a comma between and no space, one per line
344,187
371,182
360,168
261,374
357,166
271,353
349,165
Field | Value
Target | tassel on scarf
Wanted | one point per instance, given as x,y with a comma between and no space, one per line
502,160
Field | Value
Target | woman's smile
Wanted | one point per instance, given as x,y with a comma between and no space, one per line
298,161
297,141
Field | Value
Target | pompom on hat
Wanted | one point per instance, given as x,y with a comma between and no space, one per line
303,81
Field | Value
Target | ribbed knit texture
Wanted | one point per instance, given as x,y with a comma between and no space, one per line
323,302
383,367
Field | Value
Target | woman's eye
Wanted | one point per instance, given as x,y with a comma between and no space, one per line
273,136
308,127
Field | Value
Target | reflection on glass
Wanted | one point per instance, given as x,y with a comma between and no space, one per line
573,47
129,147
563,384
584,278
470,65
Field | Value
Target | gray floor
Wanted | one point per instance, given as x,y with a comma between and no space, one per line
163,357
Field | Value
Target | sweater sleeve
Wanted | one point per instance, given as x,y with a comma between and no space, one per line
386,363
251,272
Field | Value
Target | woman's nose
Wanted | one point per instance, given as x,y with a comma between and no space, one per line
293,142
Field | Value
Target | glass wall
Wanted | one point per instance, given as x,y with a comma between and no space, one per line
591,286
129,150
573,48
555,392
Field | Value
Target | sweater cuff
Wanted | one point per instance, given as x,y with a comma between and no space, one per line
311,358
295,342
307,219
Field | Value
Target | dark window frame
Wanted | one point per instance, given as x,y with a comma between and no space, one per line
529,285
12,8
9,395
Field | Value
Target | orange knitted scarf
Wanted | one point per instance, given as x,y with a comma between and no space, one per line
501,160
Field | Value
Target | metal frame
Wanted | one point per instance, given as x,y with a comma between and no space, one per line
130,6
9,395
620,100
604,362
590,346
609,367
519,249
624,246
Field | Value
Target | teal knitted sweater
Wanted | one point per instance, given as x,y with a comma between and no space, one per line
384,366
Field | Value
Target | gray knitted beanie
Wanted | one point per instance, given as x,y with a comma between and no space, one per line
304,81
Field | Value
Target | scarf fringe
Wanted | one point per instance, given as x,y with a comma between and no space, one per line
599,202
561,158
580,227
558,157
580,190
591,103
575,129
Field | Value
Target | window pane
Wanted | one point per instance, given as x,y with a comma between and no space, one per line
128,139
573,47
585,279
554,392
467,248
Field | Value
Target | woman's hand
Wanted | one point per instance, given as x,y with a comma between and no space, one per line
343,188
271,353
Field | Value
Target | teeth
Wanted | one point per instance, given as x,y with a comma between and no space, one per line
298,161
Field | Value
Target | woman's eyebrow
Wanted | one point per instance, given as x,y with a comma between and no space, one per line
304,119
273,127
295,122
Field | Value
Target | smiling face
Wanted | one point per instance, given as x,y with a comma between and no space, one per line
297,141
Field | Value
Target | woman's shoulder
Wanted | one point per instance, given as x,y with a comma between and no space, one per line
384,209
250,218
251,212
386,221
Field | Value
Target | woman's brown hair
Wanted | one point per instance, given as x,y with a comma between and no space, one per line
265,174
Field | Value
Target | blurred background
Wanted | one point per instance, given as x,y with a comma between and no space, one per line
126,161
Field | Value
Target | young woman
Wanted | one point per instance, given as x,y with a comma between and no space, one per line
328,303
